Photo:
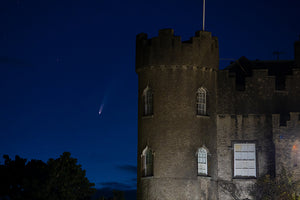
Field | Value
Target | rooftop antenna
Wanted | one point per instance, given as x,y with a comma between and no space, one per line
203,24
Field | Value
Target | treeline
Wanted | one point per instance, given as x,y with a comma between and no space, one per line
117,195
58,179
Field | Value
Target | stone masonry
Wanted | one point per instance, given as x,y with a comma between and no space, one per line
249,102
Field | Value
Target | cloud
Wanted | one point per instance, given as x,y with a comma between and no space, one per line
128,168
134,179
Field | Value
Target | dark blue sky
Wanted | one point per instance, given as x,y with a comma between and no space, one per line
61,59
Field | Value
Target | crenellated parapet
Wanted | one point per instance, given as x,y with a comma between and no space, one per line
168,49
292,122
258,80
259,91
263,80
178,67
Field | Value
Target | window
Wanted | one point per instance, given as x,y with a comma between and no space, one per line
202,161
295,155
148,101
244,160
147,162
201,101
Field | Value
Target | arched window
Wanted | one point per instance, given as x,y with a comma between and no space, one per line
147,162
148,101
202,161
201,101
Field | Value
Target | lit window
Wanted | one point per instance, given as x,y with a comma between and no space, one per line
295,155
201,101
244,160
148,101
147,162
202,161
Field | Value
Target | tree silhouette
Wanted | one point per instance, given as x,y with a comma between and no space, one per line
67,180
12,175
58,179
282,187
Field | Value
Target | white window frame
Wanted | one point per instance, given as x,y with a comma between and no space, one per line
244,159
201,101
147,162
202,161
148,101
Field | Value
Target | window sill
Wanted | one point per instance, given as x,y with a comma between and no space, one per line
203,176
147,116
203,116
282,92
146,177
244,177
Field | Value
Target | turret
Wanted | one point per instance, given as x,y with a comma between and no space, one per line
176,116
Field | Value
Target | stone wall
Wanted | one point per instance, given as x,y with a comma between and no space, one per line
260,95
287,144
251,128
201,188
174,131
174,70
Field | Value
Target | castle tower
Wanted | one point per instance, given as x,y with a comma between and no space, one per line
176,116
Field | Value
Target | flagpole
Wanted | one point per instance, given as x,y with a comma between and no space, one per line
203,15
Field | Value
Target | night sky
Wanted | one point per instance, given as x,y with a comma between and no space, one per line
62,60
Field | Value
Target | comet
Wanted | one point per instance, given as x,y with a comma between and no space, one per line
101,108
102,105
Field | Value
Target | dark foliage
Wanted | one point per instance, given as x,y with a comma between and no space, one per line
282,187
58,179
111,194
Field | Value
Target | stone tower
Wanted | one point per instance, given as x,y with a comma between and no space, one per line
176,116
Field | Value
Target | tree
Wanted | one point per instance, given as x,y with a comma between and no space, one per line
58,179
118,195
11,177
282,187
36,177
67,180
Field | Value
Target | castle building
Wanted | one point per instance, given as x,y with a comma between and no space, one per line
208,134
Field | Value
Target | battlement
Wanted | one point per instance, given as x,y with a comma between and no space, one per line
235,117
272,75
291,120
168,49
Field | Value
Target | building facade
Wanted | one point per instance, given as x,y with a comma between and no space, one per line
205,133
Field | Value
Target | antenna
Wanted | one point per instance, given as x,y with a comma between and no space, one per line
277,53
203,25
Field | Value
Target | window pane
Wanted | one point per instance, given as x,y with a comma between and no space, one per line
201,102
148,102
202,161
244,159
147,162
